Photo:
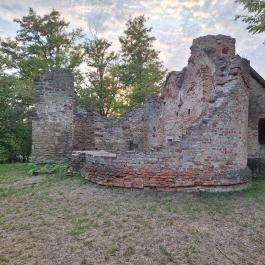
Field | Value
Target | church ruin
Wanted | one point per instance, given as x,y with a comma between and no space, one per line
199,134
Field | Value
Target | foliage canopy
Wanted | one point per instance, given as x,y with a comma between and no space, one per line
141,70
256,17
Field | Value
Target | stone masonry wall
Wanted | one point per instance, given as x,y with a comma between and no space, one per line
196,132
256,151
128,132
84,132
197,135
135,131
52,125
187,94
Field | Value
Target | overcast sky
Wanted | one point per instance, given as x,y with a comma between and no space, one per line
175,23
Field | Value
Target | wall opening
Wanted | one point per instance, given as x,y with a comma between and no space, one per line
170,139
225,50
131,145
261,131
189,111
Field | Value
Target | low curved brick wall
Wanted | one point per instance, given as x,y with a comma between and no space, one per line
144,170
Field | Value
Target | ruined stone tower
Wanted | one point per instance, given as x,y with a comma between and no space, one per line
52,125
197,135
194,136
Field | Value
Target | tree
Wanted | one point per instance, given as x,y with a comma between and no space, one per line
43,43
15,121
256,19
142,71
104,86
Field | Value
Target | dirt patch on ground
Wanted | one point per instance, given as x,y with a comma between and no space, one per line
62,221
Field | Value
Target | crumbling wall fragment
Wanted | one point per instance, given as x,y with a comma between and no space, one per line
199,128
52,125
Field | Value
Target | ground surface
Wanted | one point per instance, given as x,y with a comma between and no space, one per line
57,220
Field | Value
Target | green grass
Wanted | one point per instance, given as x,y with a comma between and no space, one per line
256,189
82,224
57,171
49,215
13,177
13,172
7,192
167,256
3,260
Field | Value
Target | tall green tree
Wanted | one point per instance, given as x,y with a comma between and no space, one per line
256,17
43,43
101,93
142,71
15,119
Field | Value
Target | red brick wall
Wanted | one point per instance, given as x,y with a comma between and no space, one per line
84,136
199,137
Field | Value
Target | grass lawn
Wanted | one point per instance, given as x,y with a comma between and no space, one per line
54,220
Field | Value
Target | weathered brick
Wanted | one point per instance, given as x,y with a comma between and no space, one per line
197,135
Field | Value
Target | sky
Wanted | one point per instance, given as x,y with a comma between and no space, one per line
175,23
